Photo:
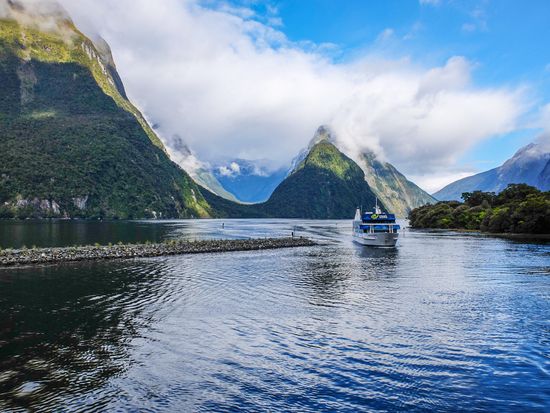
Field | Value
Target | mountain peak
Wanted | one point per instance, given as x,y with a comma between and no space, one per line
323,134
46,15
530,151
528,165
324,184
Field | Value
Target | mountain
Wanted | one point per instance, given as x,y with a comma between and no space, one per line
249,181
325,184
71,143
392,187
322,134
529,166
544,178
201,174
389,185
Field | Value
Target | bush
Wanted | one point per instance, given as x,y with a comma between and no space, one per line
519,208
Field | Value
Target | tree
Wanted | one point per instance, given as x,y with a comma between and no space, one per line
476,198
515,192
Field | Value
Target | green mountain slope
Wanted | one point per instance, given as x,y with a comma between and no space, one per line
390,186
71,144
326,184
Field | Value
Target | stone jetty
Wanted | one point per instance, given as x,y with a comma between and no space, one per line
172,247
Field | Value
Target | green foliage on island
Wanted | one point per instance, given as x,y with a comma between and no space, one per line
71,144
520,209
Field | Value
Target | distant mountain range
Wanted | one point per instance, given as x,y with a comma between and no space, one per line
325,183
249,181
530,165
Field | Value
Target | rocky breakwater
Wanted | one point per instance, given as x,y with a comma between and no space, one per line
32,256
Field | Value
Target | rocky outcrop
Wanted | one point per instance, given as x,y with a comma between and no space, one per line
33,256
45,206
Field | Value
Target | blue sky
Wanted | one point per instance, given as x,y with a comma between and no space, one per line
509,39
506,40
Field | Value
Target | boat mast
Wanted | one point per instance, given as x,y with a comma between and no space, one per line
377,210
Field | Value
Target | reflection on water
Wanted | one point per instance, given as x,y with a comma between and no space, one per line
65,330
55,233
441,323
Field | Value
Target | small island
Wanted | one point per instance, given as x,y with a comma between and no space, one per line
519,209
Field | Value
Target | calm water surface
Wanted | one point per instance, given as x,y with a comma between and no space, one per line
445,322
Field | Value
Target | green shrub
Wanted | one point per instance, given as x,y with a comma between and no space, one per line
519,208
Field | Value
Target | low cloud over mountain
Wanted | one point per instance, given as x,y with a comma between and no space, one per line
244,90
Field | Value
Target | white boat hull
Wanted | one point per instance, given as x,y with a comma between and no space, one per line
380,239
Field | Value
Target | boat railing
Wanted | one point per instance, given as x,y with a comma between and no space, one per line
372,227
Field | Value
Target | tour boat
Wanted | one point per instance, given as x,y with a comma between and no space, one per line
376,229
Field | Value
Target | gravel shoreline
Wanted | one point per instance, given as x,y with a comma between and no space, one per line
10,258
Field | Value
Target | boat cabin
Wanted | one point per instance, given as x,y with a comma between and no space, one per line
372,222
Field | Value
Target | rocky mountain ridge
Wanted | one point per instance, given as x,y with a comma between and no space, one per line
529,165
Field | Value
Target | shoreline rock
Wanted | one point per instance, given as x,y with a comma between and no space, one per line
11,258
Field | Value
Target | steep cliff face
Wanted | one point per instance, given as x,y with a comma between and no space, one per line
392,187
544,178
201,174
529,165
71,143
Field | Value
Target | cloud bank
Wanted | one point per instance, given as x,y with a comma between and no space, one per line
233,87
45,15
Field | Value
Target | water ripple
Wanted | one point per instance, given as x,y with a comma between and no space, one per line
445,322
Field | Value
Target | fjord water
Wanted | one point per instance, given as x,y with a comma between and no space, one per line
444,322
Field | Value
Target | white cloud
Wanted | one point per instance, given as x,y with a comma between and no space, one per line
479,20
233,87
414,30
232,170
433,183
45,15
386,35
469,27
429,2
423,121
544,123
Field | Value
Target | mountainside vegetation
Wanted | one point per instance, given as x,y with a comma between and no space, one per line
71,144
326,184
391,187
520,208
